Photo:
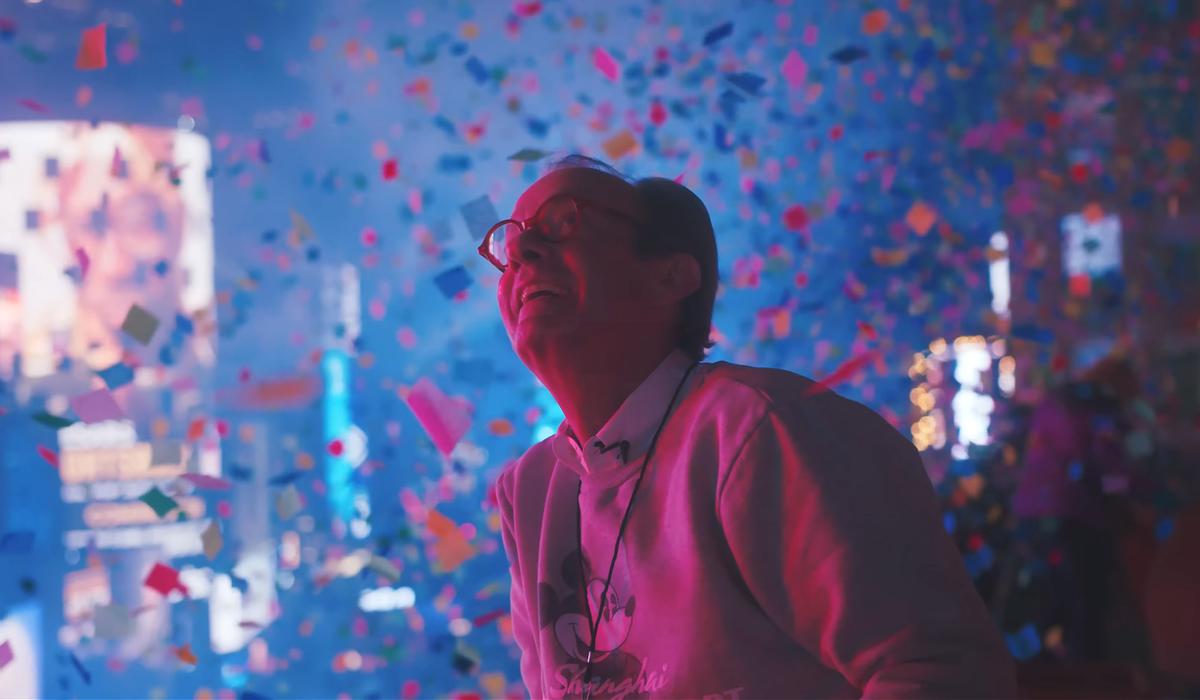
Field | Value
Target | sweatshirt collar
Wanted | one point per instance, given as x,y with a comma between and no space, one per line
635,421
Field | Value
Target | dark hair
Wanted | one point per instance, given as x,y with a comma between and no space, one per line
676,221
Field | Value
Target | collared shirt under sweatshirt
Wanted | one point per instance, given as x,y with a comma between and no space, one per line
785,543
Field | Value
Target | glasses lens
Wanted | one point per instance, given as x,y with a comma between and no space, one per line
556,220
502,238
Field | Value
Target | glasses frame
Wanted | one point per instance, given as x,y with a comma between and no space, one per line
578,203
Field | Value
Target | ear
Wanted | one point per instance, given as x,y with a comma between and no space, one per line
680,277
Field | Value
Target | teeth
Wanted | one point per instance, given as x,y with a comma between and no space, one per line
533,290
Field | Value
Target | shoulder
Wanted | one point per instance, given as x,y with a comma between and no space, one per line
530,470
791,399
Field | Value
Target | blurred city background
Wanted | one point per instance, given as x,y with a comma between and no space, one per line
255,390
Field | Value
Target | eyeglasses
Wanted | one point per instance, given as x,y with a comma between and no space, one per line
557,219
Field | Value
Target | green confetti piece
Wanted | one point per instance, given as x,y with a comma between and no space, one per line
528,155
159,501
51,420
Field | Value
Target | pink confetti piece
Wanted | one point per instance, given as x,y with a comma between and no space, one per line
34,105
204,481
605,63
49,455
795,70
845,371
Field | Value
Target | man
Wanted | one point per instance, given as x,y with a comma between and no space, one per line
742,534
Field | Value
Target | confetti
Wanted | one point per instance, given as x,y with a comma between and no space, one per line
96,406
718,33
606,64
91,54
117,375
6,653
620,145
158,501
139,324
164,579
112,621
444,419
287,503
848,54
8,271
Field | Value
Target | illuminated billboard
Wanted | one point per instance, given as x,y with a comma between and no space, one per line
96,218
1091,249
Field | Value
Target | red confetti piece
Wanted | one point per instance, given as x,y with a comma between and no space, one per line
658,113
390,169
195,430
91,54
164,579
867,330
49,455
487,617
34,105
847,370
795,218
1079,172
336,448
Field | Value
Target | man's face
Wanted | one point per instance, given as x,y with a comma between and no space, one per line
606,290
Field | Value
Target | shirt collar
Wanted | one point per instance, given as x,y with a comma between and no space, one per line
635,421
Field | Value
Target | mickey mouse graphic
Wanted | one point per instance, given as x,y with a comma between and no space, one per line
568,616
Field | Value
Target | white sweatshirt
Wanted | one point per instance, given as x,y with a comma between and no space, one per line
785,543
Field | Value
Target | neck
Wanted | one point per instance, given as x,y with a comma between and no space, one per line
590,393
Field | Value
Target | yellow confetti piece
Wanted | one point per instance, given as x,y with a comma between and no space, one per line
620,145
304,461
1179,150
920,217
493,683
1043,54
185,654
438,524
874,22
972,485
889,258
782,323
469,30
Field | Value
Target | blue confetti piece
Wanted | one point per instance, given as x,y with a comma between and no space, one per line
1164,528
980,561
16,542
1032,333
83,672
1075,470
8,271
1025,643
161,267
285,478
748,83
118,375
183,324
480,215
454,164
477,70
718,33
445,125
949,522
848,54
453,281
537,127
238,582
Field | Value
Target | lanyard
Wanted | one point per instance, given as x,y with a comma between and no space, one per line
593,627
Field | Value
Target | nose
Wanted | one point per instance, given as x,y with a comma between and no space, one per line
529,245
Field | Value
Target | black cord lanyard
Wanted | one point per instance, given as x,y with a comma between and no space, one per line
594,626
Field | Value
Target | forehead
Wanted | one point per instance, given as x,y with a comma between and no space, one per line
592,185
